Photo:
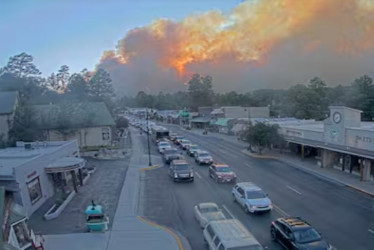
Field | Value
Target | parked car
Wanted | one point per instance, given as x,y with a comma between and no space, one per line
295,233
192,149
178,139
222,173
162,146
172,154
206,212
203,157
180,170
251,197
229,234
184,144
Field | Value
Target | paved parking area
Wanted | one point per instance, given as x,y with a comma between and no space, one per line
103,187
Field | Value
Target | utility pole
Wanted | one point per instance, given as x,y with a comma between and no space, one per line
149,148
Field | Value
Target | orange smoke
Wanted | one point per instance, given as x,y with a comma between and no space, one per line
250,31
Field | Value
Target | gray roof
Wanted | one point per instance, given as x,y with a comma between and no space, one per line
8,100
78,115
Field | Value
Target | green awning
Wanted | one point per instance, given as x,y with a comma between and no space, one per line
184,113
222,122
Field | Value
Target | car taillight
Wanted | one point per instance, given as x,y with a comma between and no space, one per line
273,223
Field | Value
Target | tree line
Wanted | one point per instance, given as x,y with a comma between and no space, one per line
304,101
20,74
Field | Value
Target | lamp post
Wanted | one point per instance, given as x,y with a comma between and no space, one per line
149,148
249,126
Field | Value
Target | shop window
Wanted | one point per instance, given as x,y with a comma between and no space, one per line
105,134
35,190
22,234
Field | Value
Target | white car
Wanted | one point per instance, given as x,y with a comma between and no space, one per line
203,157
206,212
185,143
251,197
162,146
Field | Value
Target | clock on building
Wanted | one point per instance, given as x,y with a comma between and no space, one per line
337,117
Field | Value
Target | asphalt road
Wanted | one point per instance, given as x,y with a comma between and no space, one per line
344,216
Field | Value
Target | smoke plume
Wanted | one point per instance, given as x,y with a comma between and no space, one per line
262,43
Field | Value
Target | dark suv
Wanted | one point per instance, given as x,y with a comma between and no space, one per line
295,233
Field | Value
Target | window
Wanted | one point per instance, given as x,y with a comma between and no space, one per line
105,134
217,241
35,191
210,231
240,191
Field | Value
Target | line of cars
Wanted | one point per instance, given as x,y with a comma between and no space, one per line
230,234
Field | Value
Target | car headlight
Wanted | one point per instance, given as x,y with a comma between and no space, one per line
271,205
191,174
175,175
219,176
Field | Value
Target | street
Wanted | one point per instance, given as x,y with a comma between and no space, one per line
344,216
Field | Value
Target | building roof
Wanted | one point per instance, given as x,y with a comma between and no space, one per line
8,100
78,115
16,156
218,111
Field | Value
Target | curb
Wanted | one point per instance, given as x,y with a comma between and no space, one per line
310,171
176,237
149,168
244,151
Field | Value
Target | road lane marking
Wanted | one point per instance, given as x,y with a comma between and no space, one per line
280,211
371,231
228,211
293,190
248,165
198,175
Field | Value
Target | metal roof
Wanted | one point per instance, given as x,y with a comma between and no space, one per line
79,115
8,100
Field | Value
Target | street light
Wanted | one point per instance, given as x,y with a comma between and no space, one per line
149,148
249,126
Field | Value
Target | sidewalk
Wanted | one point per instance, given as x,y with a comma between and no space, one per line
306,165
129,231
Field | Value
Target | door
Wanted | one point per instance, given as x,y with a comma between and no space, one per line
241,196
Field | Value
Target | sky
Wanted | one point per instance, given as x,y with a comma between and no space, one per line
156,45
76,32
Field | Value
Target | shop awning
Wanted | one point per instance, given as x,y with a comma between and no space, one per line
65,164
222,122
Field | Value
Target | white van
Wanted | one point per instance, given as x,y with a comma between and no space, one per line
229,235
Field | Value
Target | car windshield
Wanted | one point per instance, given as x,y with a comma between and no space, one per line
185,141
171,151
163,144
204,155
194,147
223,169
255,195
306,235
209,209
181,167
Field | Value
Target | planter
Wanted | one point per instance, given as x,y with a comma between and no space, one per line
57,209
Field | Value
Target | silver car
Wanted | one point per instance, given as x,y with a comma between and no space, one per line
206,212
251,197
203,157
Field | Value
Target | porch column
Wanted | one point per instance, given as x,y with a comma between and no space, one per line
327,158
80,176
367,169
74,178
302,151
